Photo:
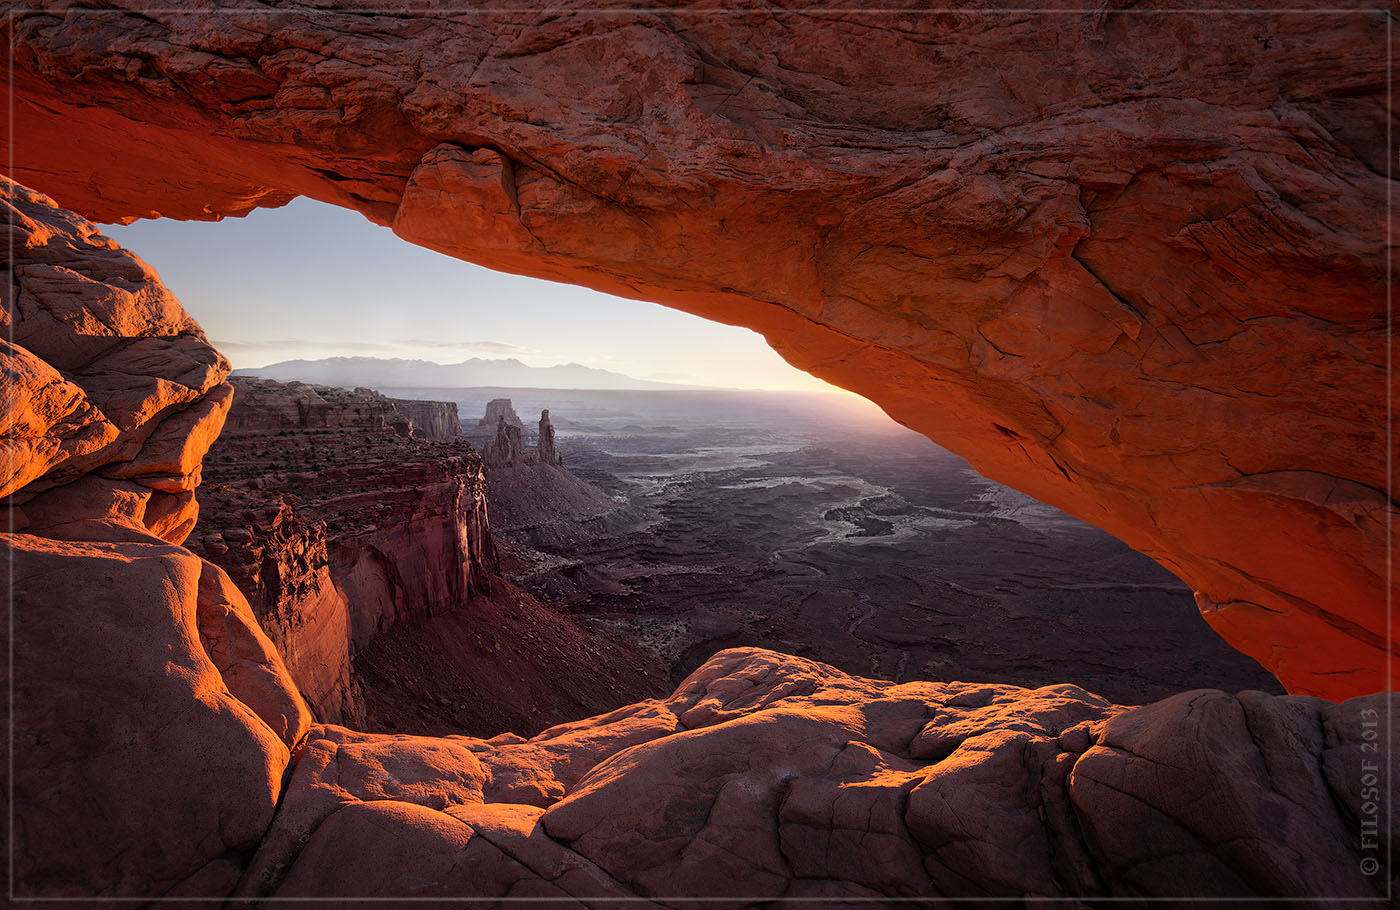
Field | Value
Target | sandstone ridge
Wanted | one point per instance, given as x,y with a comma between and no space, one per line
1129,264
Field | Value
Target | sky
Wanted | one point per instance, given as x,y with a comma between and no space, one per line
311,280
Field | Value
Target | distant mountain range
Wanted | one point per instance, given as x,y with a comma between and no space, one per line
380,372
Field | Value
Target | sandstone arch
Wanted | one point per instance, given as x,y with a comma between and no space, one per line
1133,264
163,751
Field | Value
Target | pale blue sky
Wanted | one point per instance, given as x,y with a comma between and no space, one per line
311,280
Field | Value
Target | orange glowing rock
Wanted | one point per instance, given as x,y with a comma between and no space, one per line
1137,272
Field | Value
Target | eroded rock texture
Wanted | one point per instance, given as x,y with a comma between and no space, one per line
506,449
161,748
768,776
367,555
497,410
431,419
153,720
112,393
1130,262
271,405
402,522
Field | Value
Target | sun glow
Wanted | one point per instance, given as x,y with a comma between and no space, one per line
330,284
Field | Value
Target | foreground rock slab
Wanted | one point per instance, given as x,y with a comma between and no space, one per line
153,719
1131,263
768,776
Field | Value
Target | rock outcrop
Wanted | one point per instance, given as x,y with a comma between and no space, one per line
497,410
536,502
112,393
153,720
766,776
271,405
278,561
354,540
340,531
431,419
1127,262
161,749
506,448
545,451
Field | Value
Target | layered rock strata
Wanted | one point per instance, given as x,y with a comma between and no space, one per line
337,526
431,419
357,544
1128,262
279,561
271,405
161,749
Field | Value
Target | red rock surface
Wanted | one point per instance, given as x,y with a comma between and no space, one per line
154,727
1128,262
767,776
153,720
112,392
367,554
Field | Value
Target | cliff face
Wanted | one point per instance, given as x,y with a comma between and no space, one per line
148,703
163,750
367,555
1127,263
279,562
431,419
382,528
271,405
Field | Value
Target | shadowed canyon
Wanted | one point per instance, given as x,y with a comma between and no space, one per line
1132,263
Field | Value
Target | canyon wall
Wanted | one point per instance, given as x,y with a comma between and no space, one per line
272,405
342,529
163,751
1130,262
431,419
365,549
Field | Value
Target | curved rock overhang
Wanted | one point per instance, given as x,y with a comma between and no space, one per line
1132,263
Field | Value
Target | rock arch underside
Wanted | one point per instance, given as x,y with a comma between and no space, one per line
1132,263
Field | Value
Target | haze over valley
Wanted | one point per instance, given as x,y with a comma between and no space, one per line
378,372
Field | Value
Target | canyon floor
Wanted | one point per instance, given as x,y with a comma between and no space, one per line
813,525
